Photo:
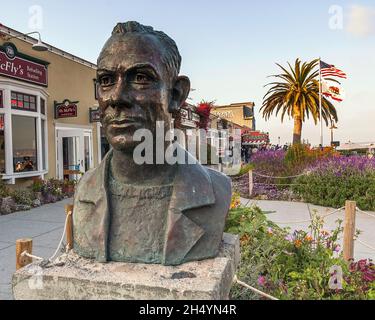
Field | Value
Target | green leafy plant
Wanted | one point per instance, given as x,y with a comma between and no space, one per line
245,169
294,265
25,197
4,190
331,181
37,185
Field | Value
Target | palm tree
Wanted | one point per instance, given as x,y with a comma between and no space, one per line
297,95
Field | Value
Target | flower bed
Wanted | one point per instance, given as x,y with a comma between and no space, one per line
41,192
270,163
295,265
331,181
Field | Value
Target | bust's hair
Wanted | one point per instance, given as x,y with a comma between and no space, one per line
171,56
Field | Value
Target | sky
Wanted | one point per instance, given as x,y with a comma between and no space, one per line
229,48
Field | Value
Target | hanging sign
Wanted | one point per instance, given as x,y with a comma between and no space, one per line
94,115
65,109
22,67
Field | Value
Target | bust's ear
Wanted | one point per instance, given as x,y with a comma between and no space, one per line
180,92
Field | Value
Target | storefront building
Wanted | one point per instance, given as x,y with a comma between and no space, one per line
48,112
241,113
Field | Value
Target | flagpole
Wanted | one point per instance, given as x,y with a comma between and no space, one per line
320,104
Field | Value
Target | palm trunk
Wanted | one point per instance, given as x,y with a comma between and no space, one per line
297,129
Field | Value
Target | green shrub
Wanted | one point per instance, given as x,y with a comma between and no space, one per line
245,169
333,181
24,197
37,185
4,190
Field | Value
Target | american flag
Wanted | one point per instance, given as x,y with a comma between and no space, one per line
329,70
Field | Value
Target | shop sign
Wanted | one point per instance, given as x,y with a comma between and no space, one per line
94,115
184,113
22,67
224,114
188,123
65,109
189,118
195,117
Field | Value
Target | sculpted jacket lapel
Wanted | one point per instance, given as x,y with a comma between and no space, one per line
192,189
96,193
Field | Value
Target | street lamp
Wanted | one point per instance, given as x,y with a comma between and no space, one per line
39,46
332,127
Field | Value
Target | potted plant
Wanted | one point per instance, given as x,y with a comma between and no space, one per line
69,187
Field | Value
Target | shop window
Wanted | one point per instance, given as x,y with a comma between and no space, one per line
23,101
42,106
24,143
1,99
44,150
2,144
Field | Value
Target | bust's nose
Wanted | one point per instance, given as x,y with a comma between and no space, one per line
120,96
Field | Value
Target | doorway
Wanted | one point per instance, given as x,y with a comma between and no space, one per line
74,153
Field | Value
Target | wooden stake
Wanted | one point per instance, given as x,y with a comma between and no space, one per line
349,229
21,246
251,182
69,226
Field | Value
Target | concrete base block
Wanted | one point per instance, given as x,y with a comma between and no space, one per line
74,278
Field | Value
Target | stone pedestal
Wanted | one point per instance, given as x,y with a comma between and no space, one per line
74,278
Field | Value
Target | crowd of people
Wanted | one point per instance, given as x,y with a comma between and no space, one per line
248,151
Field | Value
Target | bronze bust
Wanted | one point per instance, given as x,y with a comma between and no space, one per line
149,213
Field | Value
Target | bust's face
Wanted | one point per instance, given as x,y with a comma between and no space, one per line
134,88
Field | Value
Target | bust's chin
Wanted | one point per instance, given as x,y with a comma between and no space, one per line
123,144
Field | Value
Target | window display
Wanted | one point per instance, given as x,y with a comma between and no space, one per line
24,143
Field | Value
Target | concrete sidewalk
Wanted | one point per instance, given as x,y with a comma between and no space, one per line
44,225
286,212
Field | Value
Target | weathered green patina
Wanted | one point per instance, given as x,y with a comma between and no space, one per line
185,205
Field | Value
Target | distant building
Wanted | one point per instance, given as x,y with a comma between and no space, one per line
48,112
254,138
240,113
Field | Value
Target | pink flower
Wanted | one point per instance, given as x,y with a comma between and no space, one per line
261,281
289,237
269,230
337,249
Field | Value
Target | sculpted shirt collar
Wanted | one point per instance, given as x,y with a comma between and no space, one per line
192,188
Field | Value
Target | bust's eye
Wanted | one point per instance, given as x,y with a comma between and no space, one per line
141,78
106,80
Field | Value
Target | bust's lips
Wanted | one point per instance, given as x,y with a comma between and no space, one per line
127,122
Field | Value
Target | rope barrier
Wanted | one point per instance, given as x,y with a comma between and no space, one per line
279,184
268,184
25,253
309,220
279,177
254,289
365,244
62,238
366,213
